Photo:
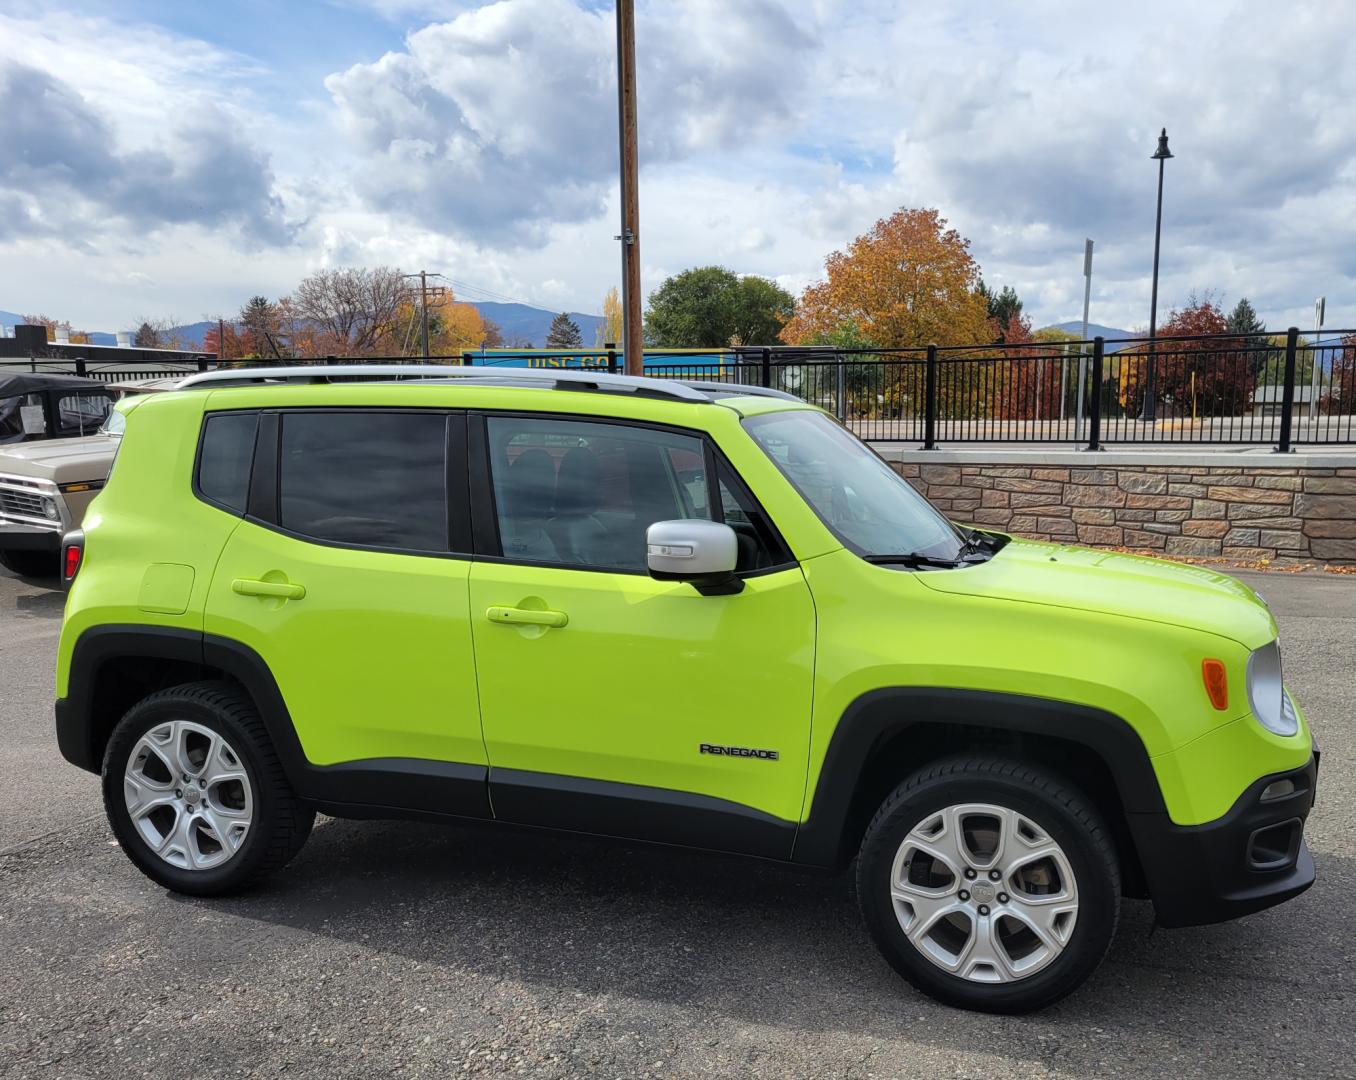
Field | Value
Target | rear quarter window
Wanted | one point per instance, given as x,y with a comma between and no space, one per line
224,459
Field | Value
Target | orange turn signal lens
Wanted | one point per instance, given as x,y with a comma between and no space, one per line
1216,683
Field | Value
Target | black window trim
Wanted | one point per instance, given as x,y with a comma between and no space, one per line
263,503
485,516
198,492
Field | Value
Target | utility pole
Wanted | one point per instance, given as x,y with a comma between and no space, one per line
438,290
633,342
423,309
1315,358
1082,353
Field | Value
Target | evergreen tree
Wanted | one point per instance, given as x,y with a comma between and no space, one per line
259,324
1243,319
564,333
1002,306
147,337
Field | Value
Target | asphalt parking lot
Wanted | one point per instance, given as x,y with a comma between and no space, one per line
411,950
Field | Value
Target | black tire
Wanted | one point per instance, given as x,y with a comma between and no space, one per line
280,824
30,564
1061,811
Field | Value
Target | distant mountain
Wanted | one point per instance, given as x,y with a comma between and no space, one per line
191,334
1075,326
531,324
518,322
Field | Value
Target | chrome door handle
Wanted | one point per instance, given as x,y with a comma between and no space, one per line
516,616
280,589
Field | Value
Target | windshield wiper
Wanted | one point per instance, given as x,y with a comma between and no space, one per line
914,559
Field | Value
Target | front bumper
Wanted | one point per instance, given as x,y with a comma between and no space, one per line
18,537
1251,858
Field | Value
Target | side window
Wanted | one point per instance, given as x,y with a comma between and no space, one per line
81,413
374,479
582,493
224,461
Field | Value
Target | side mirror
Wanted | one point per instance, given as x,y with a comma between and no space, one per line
703,553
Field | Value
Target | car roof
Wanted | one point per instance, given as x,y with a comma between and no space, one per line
35,382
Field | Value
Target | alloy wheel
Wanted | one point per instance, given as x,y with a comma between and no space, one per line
188,795
984,892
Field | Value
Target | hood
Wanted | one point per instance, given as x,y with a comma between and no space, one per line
1132,586
63,460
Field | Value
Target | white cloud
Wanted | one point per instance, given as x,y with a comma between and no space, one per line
772,132
501,122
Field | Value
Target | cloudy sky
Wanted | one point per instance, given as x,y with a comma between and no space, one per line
173,158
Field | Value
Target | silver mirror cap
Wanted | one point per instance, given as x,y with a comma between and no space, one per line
691,550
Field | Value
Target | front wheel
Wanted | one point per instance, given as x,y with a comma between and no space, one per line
989,885
196,794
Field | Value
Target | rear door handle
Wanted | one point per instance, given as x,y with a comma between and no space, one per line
283,590
526,616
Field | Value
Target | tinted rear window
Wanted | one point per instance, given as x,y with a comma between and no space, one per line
374,479
224,464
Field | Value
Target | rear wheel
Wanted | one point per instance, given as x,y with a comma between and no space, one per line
195,793
989,885
34,564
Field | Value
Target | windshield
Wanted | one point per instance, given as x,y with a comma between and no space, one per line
866,504
113,424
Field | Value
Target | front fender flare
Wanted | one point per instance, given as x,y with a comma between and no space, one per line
884,713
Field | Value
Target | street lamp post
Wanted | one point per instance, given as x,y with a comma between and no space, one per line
1160,155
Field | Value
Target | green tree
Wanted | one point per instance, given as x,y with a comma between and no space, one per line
259,327
1243,319
762,308
564,333
146,337
1002,306
712,307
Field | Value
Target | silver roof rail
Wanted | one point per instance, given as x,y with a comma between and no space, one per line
315,373
740,388
553,378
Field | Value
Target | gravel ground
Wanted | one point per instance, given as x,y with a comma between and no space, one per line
391,949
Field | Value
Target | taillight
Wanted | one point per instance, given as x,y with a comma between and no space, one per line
1216,683
72,553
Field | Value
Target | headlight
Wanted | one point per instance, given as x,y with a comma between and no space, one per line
49,509
1266,691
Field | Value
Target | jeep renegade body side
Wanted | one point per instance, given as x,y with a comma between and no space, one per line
698,617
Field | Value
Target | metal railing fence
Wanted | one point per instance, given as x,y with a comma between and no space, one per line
1295,389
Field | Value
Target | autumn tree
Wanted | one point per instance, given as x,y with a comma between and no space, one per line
347,311
564,333
1339,395
609,331
908,282
712,307
223,341
1210,376
492,334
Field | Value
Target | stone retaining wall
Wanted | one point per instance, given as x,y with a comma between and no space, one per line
1243,513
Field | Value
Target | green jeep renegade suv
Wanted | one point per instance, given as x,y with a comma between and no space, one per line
694,614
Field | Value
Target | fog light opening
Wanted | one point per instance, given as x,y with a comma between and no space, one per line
1278,789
